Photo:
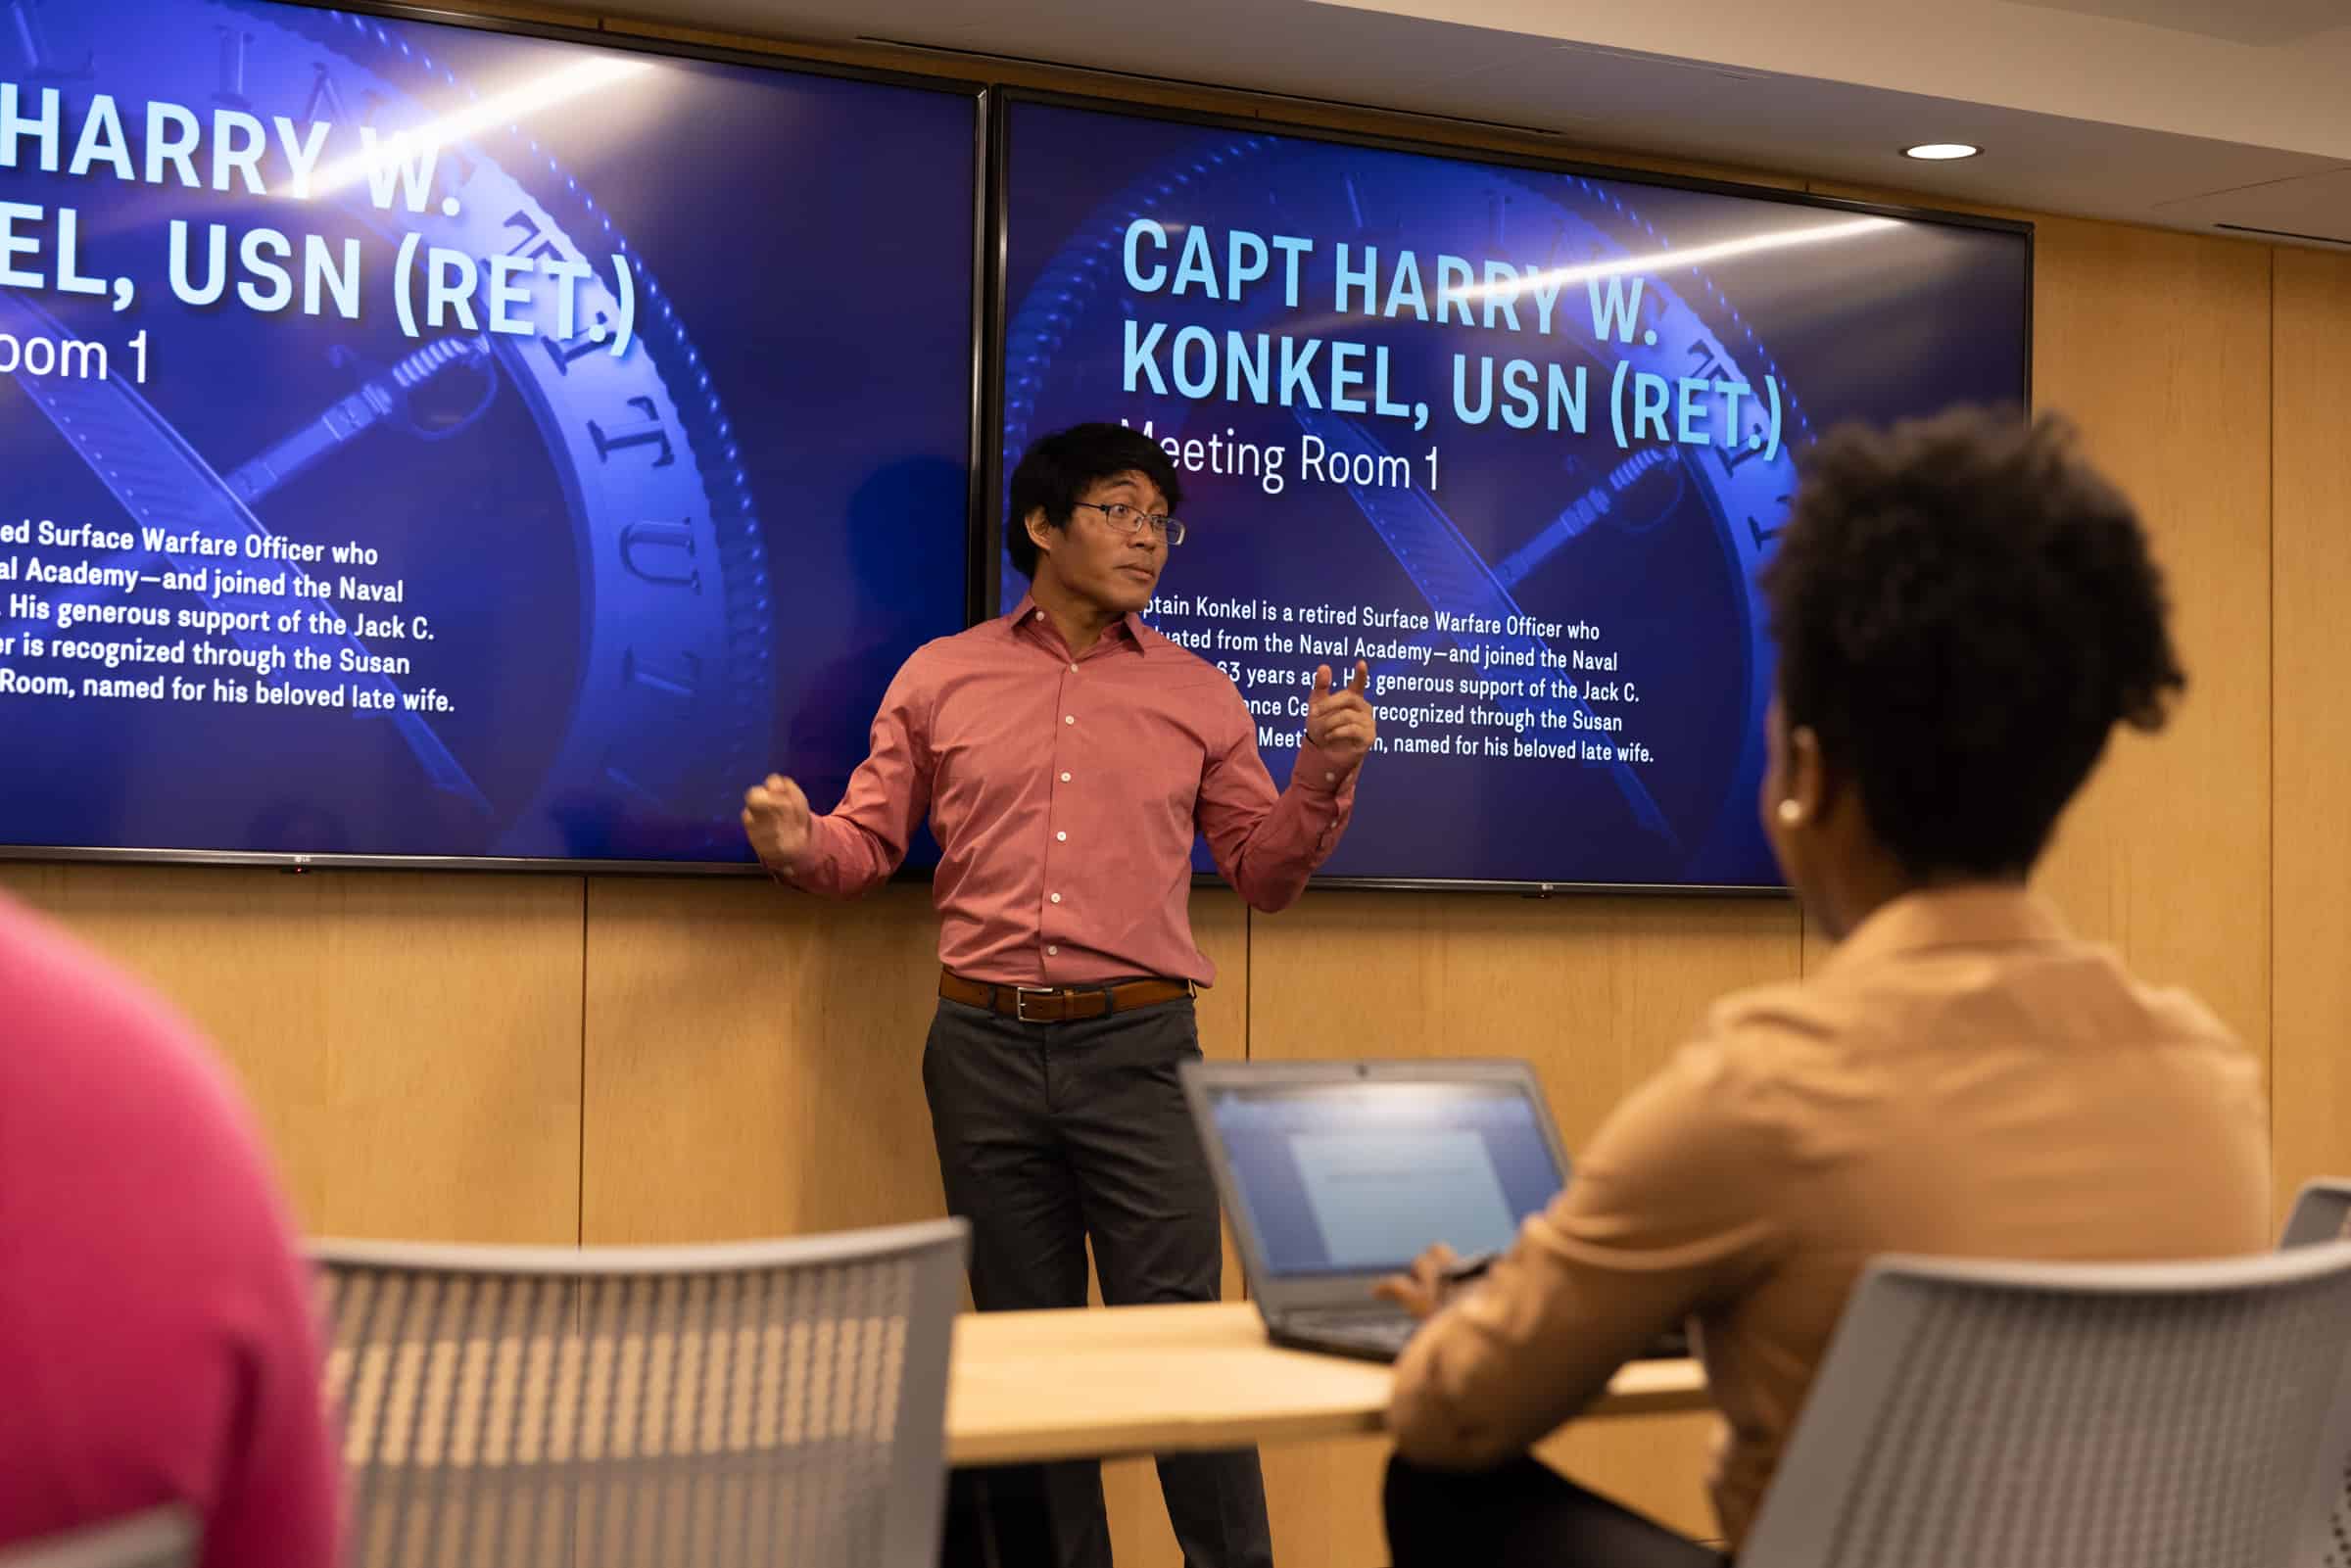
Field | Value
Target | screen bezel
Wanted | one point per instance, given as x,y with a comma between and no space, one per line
977,93
987,549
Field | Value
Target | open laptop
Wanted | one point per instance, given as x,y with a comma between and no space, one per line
1337,1174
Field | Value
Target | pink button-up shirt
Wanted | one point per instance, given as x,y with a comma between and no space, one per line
1065,794
157,1341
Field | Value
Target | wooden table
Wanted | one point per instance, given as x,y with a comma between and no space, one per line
1101,1383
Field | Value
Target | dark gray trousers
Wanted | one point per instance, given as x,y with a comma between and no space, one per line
1522,1514
1050,1134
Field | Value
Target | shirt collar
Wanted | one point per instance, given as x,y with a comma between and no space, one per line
1976,915
1028,616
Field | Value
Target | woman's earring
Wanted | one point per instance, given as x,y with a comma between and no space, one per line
1791,814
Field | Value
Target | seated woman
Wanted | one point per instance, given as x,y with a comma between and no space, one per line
158,1343
1964,611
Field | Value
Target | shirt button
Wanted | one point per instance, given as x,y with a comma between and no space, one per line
1040,616
1073,669
1057,898
1052,952
1062,837
1065,778
1069,718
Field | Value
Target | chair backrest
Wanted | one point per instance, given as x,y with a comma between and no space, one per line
556,1407
156,1537
2322,1212
2027,1415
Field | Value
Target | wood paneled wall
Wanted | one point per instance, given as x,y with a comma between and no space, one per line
413,1041
2158,345
611,1060
2309,717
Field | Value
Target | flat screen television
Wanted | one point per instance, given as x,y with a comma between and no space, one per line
448,444
1517,437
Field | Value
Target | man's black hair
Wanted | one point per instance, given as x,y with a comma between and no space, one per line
1058,469
1964,609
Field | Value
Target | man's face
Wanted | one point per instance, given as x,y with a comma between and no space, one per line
1098,561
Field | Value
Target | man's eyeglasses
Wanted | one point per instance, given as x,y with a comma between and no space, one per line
1128,520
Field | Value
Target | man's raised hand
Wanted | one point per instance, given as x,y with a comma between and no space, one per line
1340,723
775,818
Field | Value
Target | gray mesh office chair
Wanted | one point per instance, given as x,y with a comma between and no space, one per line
2322,1212
774,1403
2006,1415
156,1537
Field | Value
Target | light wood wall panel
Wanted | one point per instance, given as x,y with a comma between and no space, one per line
2158,345
412,1042
2311,872
1596,991
754,1060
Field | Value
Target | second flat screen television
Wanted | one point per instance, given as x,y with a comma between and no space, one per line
1518,438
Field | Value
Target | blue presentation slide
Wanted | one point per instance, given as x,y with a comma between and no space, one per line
424,441
1520,439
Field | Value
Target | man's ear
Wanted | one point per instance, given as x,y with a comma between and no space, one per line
1040,532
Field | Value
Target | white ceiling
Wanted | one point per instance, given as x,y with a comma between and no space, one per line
2029,57
2192,113
2277,21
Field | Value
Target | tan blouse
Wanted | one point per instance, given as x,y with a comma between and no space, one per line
1963,1078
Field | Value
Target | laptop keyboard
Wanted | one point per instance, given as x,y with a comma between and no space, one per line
1389,1333
1377,1332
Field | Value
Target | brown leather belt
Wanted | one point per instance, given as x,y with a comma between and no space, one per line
1059,1004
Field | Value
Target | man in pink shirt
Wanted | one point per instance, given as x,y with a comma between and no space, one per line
1065,756
156,1335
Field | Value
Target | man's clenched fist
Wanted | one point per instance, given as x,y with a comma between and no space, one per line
775,818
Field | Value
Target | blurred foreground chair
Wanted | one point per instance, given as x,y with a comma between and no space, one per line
2322,1212
155,1537
770,1402
2023,1415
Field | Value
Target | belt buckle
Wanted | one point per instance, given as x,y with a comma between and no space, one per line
1019,1001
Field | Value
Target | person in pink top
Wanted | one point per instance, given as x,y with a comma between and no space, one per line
1066,756
156,1338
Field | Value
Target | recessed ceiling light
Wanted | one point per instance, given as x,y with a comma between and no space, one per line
1941,152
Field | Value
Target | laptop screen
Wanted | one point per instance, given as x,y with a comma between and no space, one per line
1352,1178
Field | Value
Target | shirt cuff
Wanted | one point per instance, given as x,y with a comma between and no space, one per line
791,873
1321,775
